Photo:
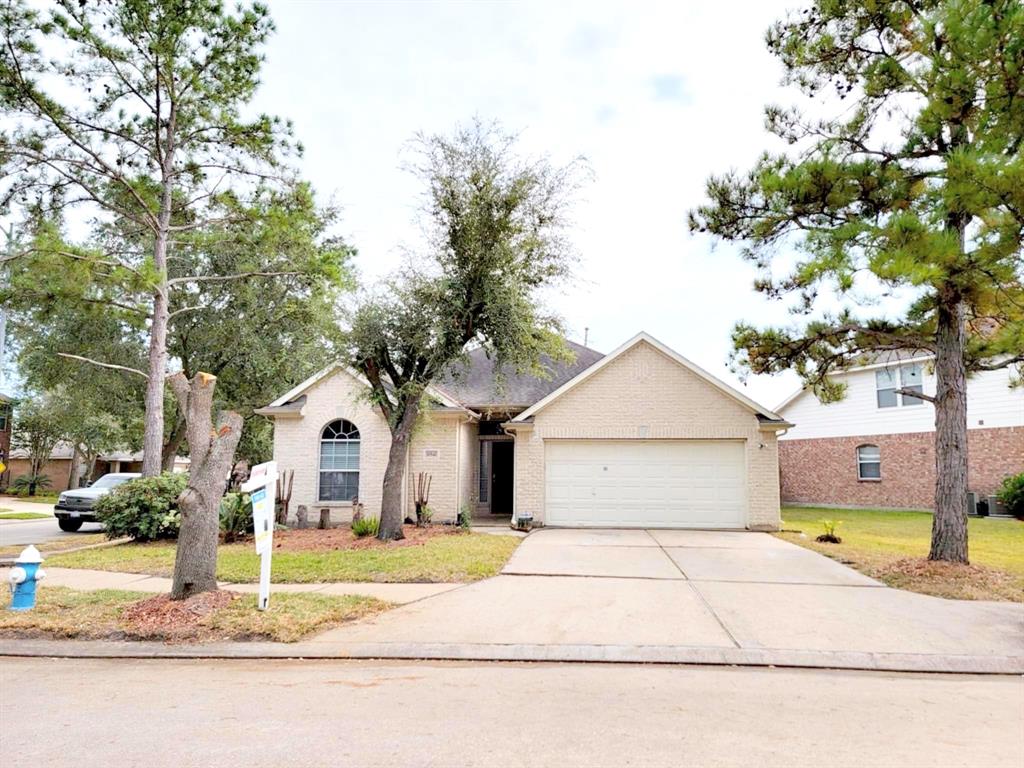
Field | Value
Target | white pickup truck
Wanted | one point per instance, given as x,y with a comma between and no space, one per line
76,507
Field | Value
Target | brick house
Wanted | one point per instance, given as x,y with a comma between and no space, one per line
639,437
875,448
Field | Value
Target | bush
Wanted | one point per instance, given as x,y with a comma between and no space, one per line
829,536
28,485
367,526
465,518
1011,494
235,516
145,508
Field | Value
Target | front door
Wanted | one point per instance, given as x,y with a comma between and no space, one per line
501,477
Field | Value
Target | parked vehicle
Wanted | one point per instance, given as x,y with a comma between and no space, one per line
76,507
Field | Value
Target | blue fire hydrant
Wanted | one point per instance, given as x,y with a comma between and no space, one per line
24,577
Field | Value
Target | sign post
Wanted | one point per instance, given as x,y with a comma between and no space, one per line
260,487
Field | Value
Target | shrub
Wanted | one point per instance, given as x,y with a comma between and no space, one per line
465,520
366,526
235,516
29,485
145,508
829,536
1011,494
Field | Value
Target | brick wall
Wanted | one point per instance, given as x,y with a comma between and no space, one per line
58,470
339,396
645,395
824,470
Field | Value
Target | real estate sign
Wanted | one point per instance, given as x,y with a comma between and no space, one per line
260,487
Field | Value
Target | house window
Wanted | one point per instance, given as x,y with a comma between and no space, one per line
888,380
910,378
869,463
485,471
339,461
5,417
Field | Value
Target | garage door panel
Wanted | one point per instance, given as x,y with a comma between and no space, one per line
667,483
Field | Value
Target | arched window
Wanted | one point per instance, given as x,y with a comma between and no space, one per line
869,462
339,461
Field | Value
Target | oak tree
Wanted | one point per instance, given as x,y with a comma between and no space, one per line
495,228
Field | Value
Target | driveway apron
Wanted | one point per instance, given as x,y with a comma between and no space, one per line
700,589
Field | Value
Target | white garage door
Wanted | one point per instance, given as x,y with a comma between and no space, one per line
650,483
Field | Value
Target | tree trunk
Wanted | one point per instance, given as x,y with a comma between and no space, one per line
153,436
173,444
212,452
391,512
949,525
73,474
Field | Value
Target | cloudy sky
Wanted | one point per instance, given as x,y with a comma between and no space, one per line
656,96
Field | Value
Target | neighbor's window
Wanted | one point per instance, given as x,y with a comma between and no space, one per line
910,378
888,380
339,461
4,416
869,463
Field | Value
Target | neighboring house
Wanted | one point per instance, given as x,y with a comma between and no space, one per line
875,448
58,467
639,437
6,419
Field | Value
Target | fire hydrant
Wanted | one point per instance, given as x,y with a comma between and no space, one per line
24,577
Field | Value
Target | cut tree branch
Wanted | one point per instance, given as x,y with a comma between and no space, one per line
111,366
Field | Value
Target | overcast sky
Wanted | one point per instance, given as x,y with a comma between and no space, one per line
656,96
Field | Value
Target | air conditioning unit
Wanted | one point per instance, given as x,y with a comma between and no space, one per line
996,507
972,503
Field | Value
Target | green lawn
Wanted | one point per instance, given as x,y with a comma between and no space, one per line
6,514
57,545
99,614
448,558
39,498
882,544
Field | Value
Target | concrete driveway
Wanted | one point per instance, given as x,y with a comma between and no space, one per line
699,589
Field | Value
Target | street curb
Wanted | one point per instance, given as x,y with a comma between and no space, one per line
604,654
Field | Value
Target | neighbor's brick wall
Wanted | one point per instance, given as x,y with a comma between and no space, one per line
824,470
645,395
58,470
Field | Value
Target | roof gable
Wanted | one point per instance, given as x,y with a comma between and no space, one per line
642,338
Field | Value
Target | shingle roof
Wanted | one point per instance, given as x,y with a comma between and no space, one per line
475,386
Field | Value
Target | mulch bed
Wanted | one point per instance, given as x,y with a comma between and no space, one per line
314,539
161,617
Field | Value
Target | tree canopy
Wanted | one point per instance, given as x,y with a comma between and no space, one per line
495,227
917,186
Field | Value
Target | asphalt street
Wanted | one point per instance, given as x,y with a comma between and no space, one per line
61,712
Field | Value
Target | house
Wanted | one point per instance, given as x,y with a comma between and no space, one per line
58,466
876,448
6,418
638,437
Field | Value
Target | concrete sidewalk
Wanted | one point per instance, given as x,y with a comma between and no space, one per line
81,578
676,597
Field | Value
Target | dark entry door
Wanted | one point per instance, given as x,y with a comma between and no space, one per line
501,477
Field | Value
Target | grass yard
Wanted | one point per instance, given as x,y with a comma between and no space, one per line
109,614
57,545
6,514
891,546
454,557
39,498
